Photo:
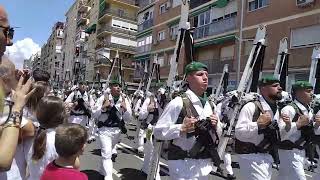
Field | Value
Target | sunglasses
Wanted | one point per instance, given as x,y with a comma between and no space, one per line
8,31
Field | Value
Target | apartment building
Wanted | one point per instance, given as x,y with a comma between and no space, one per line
51,54
214,35
296,19
69,42
33,62
158,23
116,33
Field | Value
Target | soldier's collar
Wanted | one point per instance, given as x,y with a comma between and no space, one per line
301,106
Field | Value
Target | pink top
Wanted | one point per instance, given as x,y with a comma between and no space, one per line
56,172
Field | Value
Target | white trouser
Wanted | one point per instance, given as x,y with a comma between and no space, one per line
255,166
227,163
291,164
316,176
140,134
92,129
109,137
148,151
82,120
196,178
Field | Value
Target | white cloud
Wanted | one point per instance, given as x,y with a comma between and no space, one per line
22,50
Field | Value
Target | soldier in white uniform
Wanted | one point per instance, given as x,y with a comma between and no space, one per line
293,124
177,124
148,115
255,164
80,114
317,133
113,110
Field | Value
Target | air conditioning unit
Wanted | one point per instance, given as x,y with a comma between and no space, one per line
303,3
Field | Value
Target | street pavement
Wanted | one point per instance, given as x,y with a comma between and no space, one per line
128,163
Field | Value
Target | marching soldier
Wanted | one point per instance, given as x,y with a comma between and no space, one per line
80,104
178,124
113,110
255,117
295,118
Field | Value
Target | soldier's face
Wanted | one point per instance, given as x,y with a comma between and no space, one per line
304,95
115,90
198,80
273,91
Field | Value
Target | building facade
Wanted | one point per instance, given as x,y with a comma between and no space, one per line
297,20
51,54
116,34
69,43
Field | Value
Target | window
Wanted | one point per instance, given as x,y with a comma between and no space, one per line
161,35
163,8
257,4
306,36
161,61
174,31
121,12
204,18
227,53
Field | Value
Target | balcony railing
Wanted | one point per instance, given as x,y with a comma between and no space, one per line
118,13
84,6
82,18
115,29
215,28
143,49
116,46
216,65
145,25
196,3
144,3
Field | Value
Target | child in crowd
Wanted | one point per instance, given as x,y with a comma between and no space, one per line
70,141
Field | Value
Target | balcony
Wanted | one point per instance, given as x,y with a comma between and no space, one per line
83,6
143,49
117,13
216,65
145,3
111,29
215,28
116,46
196,3
82,19
145,25
128,2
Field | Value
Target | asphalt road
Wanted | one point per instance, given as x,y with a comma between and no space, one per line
128,163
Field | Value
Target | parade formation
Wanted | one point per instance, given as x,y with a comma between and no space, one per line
264,126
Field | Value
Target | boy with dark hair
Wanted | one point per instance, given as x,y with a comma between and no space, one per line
70,141
41,75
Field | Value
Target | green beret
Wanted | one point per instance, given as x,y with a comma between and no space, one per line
115,82
195,66
268,80
301,85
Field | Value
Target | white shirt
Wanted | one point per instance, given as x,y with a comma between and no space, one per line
36,168
167,129
246,130
293,134
143,113
126,116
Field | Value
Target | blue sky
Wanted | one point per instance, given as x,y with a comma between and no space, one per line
35,17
